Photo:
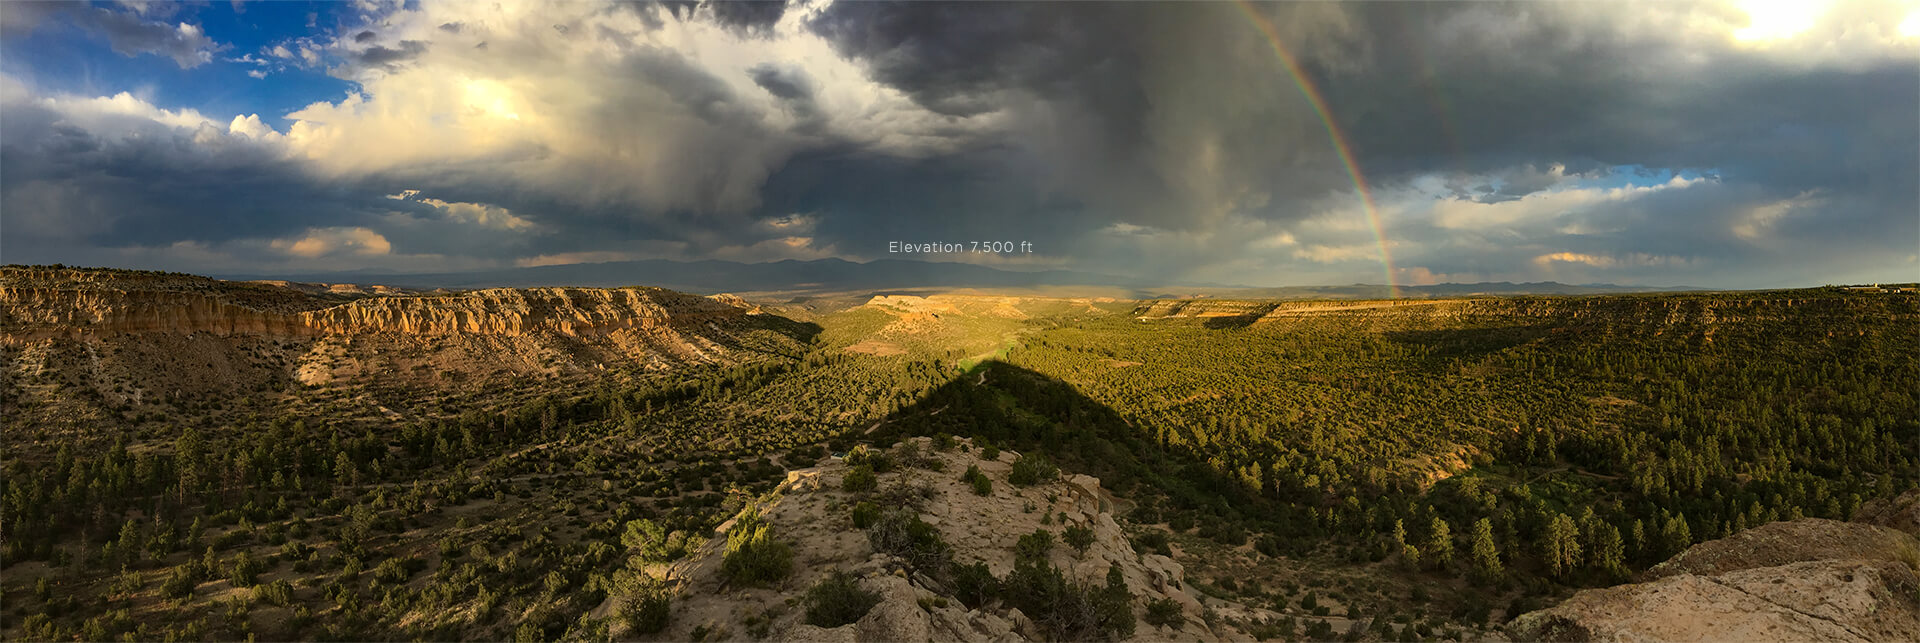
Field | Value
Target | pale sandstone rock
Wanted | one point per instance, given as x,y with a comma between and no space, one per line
1779,543
809,511
1808,601
1901,512
1805,580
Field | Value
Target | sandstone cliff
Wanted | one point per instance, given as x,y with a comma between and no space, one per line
82,346
38,303
1627,309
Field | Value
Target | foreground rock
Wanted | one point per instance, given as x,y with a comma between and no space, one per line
812,513
1805,580
1781,543
1901,512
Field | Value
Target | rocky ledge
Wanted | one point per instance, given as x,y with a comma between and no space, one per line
1803,580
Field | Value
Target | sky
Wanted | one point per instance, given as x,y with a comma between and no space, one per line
1714,144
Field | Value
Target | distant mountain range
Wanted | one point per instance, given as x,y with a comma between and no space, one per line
838,275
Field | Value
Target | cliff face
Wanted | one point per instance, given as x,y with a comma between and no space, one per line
575,312
80,345
1692,310
39,303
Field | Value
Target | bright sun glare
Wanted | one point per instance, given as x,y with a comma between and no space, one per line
491,98
1778,19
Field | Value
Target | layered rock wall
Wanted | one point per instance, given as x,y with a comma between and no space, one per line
39,303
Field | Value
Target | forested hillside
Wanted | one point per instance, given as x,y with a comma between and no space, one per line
1331,462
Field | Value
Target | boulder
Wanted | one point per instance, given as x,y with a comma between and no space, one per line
1780,543
895,620
1901,512
814,634
1832,600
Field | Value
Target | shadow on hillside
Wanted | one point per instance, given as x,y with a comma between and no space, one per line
1025,410
1236,321
799,331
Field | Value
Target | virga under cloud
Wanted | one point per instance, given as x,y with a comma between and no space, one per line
1699,143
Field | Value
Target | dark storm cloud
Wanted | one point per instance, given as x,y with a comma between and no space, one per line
787,83
748,16
1467,89
1128,103
752,18
1075,125
155,185
795,90
979,194
958,58
1430,98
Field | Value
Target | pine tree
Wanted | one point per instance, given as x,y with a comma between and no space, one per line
1638,542
1486,557
1440,543
1608,555
1676,534
1562,545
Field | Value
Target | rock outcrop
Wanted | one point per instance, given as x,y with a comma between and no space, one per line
37,303
812,513
138,338
1655,312
1900,512
1804,580
1781,543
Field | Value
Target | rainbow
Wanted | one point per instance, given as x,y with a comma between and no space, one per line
1340,145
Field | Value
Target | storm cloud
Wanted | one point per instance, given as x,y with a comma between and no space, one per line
1667,143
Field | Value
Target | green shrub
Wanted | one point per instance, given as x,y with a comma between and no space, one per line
858,479
244,570
753,556
278,592
838,600
864,514
648,610
990,453
1152,542
1113,605
974,584
180,583
874,459
391,571
1032,469
1164,612
1080,538
902,533
1067,611
1034,546
648,542
982,485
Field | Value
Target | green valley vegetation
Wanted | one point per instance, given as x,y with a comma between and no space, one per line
1507,450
